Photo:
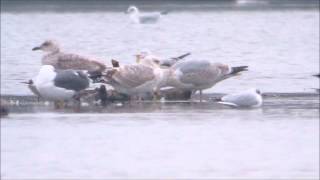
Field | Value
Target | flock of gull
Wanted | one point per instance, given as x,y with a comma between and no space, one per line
65,76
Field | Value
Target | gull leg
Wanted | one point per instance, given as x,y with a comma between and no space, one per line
58,104
156,95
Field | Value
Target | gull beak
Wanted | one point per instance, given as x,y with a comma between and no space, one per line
36,48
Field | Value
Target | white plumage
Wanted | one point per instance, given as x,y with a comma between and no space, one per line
248,98
143,18
58,86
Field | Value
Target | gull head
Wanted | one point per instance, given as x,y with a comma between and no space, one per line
255,91
143,54
258,91
132,10
47,46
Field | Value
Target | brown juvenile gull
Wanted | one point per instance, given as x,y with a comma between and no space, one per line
61,60
134,79
200,75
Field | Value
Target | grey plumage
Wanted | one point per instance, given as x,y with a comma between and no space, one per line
192,66
199,75
171,61
71,80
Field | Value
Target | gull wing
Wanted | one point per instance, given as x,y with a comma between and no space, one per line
73,61
199,73
131,76
71,80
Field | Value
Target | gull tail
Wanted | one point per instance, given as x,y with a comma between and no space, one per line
227,103
235,70
183,56
115,63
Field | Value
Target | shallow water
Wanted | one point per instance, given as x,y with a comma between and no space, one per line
281,47
164,140
168,140
215,144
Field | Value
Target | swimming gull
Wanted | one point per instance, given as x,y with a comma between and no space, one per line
61,60
144,18
248,98
60,85
199,75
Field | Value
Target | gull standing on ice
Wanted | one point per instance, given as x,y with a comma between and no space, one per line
61,60
143,18
200,75
59,85
248,98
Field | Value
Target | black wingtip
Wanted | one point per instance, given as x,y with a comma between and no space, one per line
184,55
238,69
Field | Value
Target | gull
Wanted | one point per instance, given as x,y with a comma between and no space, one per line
147,58
59,85
171,61
143,18
248,98
61,60
199,75
135,79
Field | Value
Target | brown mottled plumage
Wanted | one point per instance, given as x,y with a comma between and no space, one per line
133,79
61,60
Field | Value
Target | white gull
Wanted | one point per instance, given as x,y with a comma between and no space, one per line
143,18
248,98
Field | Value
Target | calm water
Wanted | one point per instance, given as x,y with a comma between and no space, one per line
279,140
173,141
280,47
